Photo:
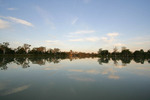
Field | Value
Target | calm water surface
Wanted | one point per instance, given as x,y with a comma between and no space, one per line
80,79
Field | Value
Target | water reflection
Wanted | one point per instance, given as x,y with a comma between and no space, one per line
4,62
67,78
26,61
124,60
15,90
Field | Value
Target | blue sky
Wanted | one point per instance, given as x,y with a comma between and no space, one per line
79,25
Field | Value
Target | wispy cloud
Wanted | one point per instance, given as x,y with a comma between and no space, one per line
83,32
74,20
4,24
11,9
80,33
111,40
88,39
54,43
76,40
114,34
92,39
20,21
143,41
119,44
110,37
107,39
17,20
46,16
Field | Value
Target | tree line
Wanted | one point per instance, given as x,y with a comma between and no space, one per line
124,53
25,49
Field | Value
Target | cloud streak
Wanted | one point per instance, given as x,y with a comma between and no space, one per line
83,32
4,24
92,39
110,39
45,16
20,21
114,34
17,20
74,20
11,9
76,40
88,39
54,43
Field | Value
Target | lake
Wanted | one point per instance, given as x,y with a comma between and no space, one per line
74,79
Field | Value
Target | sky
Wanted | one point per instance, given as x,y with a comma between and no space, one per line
78,25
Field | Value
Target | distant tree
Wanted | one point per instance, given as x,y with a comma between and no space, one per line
4,46
56,50
26,47
115,49
38,50
10,51
70,53
33,51
115,53
104,53
138,53
1,51
125,52
142,51
50,51
148,53
99,51
42,49
124,48
20,50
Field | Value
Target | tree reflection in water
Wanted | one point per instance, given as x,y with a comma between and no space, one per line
124,60
25,61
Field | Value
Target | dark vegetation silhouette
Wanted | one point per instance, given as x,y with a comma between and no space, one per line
124,53
26,50
25,62
24,55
